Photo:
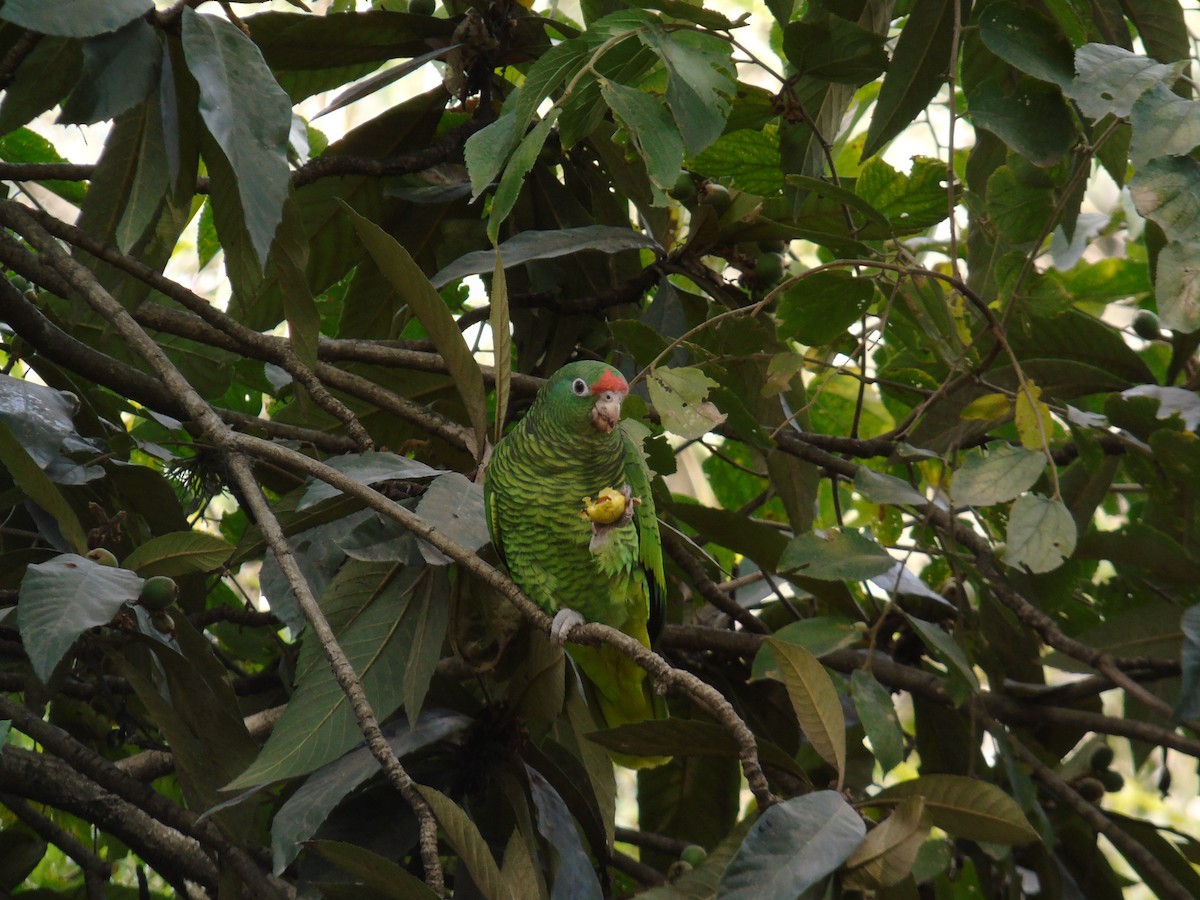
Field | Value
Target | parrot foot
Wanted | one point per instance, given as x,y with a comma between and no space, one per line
564,621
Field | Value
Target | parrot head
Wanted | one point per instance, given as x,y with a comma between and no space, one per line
587,394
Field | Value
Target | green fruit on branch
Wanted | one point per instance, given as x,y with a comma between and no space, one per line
158,592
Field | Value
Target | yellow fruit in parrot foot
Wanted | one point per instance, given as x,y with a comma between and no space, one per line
608,507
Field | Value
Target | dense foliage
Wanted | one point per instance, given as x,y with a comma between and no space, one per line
923,434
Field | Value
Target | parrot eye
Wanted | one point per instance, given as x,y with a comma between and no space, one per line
579,387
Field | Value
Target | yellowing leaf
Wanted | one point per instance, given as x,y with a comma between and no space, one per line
887,853
988,407
815,700
1032,417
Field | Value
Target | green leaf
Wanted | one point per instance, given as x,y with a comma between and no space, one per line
1004,473
846,555
248,115
815,701
1163,124
945,647
651,129
834,49
533,244
818,635
890,849
878,716
1020,211
1188,707
1150,629
685,737
912,202
73,18
1030,42
1110,79
573,872
513,178
42,80
454,505
816,310
372,871
1167,191
1177,287
1041,534
463,835
119,71
486,151
179,553
702,881
25,146
37,486
680,398
395,617
501,325
880,488
700,82
305,810
1032,118
745,159
965,808
1161,27
366,468
289,254
916,73
63,598
794,846
423,299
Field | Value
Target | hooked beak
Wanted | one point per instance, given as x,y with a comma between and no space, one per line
606,412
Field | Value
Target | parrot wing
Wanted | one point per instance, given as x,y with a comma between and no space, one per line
650,552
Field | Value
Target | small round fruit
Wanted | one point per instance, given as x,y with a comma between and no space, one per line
769,268
1090,789
1111,780
102,556
683,188
158,592
677,870
162,621
1101,759
717,196
1146,326
422,7
693,854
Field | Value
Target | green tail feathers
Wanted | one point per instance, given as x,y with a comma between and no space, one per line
620,693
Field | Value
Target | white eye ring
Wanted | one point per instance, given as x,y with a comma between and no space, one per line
579,387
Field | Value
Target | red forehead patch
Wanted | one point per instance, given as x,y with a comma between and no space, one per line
610,381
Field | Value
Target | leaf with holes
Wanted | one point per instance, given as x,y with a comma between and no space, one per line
1041,534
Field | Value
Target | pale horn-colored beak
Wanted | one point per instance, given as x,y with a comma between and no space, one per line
606,412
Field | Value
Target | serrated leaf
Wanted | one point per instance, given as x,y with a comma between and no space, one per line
878,716
988,408
518,167
1041,534
486,151
745,159
305,810
1110,79
651,128
73,18
1177,288
179,553
533,244
965,808
815,701
794,846
887,854
64,597
1019,210
414,288
1002,474
1163,124
699,83
831,555
680,398
248,114
366,468
463,835
1167,192
817,310
910,203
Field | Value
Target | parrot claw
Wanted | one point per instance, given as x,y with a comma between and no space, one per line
564,621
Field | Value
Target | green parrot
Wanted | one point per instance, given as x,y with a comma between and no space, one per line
570,512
